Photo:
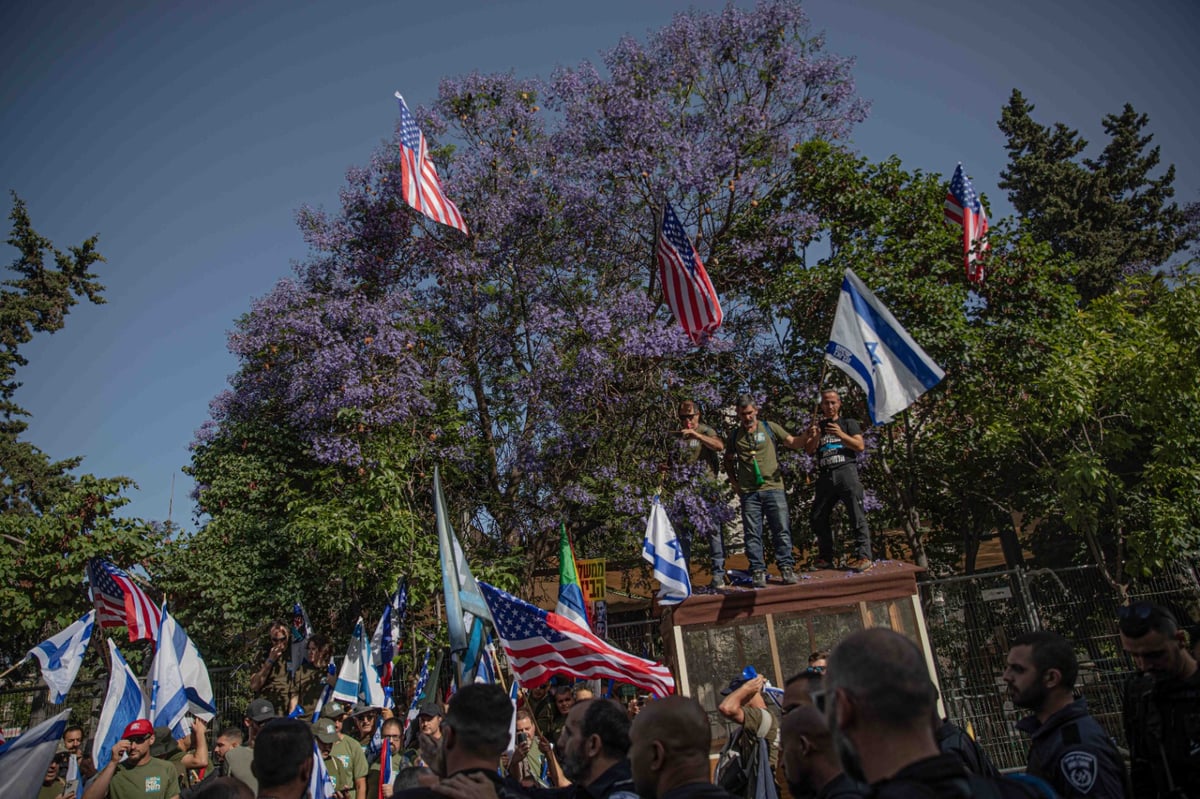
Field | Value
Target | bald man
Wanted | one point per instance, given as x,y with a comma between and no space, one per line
669,744
810,762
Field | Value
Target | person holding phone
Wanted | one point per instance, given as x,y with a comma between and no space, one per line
835,442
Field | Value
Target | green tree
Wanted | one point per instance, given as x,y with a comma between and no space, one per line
1110,212
51,521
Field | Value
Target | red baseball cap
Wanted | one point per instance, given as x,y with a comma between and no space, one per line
139,727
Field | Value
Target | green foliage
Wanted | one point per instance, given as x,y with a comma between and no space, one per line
1108,212
51,521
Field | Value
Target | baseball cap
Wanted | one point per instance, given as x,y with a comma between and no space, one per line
136,729
737,682
333,710
430,708
260,710
360,708
326,731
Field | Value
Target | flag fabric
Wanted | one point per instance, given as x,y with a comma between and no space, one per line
320,786
25,759
465,606
869,345
300,632
661,549
540,643
61,655
123,704
963,208
420,185
72,776
570,593
358,680
688,291
389,634
120,602
386,776
179,681
422,679
326,693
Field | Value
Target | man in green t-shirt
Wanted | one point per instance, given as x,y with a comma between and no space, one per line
325,731
753,465
348,751
139,776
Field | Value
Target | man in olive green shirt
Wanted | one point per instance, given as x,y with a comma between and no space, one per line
326,733
140,776
271,681
348,751
699,443
751,458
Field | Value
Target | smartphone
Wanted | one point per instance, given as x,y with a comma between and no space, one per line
521,738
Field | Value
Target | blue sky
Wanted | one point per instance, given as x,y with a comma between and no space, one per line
187,134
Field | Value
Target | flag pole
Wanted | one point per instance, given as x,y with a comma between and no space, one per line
657,212
19,664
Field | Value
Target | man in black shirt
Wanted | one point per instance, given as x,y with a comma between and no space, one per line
668,751
591,751
810,763
835,442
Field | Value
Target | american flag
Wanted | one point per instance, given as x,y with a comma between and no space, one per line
963,208
420,185
540,644
688,290
119,601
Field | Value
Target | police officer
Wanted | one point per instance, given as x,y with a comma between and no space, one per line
1162,703
1069,749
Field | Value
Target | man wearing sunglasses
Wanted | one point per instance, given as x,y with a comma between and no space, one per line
699,443
1162,703
271,681
132,773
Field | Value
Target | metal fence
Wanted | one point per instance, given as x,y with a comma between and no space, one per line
971,620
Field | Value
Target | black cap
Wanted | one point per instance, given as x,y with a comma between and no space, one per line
260,710
430,708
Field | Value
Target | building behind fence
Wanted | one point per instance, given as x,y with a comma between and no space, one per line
971,620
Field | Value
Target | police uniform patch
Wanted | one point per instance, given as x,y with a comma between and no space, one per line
1080,769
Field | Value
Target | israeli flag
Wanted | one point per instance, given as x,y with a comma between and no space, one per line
661,548
869,345
61,656
123,704
25,759
179,681
320,786
358,677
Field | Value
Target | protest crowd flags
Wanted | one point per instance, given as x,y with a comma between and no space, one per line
571,604
869,345
25,759
420,185
358,680
688,291
963,208
540,644
179,682
661,549
466,609
389,634
418,694
61,655
123,704
120,602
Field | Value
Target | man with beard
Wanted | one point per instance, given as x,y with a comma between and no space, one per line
835,442
1162,703
132,772
591,751
1068,748
810,763
668,751
880,702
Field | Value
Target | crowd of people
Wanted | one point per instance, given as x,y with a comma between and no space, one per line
752,469
861,720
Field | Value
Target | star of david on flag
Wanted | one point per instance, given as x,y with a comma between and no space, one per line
661,548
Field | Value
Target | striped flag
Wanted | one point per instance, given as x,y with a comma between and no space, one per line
688,291
120,602
25,759
389,634
420,186
662,550
571,604
540,643
61,656
320,784
963,208
418,693
123,704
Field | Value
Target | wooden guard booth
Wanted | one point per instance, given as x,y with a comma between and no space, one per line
710,638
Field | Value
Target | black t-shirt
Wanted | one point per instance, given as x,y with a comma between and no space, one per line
831,453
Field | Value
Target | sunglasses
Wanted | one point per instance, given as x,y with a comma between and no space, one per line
1138,610
683,417
139,739
815,670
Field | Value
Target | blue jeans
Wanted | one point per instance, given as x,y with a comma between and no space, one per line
715,543
772,504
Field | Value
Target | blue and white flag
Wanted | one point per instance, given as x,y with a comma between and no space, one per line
179,681
418,692
869,345
326,693
298,634
123,704
661,548
25,759
320,785
358,680
389,633
61,656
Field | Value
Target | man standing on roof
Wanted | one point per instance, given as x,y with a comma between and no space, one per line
835,442
753,465
699,443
